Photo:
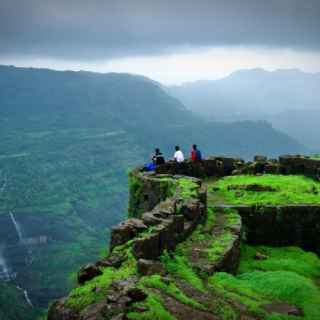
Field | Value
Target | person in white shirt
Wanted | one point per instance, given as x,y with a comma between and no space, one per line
178,155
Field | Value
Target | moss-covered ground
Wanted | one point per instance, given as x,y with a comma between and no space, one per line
288,275
283,190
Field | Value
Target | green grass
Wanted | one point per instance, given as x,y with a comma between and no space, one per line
86,294
210,220
292,259
171,289
155,309
187,188
180,267
215,245
219,245
289,190
288,275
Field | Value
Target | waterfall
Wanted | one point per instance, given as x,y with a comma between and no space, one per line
4,271
26,296
17,226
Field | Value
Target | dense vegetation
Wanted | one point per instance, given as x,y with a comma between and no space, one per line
67,142
13,304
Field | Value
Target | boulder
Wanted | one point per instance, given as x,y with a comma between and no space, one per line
126,231
152,218
150,267
178,221
147,247
136,294
96,311
167,236
59,311
167,207
88,272
190,209
114,260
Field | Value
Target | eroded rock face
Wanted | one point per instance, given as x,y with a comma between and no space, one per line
96,311
147,247
150,267
114,260
297,225
190,209
121,295
88,272
59,311
126,231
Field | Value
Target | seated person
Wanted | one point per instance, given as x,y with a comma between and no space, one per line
158,157
178,155
195,153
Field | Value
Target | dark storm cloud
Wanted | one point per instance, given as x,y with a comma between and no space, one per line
95,29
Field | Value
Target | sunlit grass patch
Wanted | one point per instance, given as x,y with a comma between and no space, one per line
287,189
286,275
284,258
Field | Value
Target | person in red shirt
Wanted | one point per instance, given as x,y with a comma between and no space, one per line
195,153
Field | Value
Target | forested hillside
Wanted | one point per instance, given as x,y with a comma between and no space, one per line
67,142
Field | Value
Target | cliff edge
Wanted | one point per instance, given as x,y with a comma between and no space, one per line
203,241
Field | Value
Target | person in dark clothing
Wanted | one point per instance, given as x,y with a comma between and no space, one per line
195,153
158,157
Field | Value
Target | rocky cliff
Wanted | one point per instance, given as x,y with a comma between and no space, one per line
164,261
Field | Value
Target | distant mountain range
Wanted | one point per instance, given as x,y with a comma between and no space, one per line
289,99
67,142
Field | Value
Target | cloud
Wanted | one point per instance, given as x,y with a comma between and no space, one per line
100,29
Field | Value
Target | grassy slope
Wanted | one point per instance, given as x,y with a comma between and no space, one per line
288,274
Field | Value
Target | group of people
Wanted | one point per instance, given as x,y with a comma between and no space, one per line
158,158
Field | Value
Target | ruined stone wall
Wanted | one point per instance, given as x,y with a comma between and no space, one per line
223,166
285,225
299,165
168,219
210,167
146,190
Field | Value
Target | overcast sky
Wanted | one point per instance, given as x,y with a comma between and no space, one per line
171,41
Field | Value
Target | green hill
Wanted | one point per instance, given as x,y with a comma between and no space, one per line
67,142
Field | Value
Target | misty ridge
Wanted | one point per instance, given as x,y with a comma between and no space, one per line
67,142
288,99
